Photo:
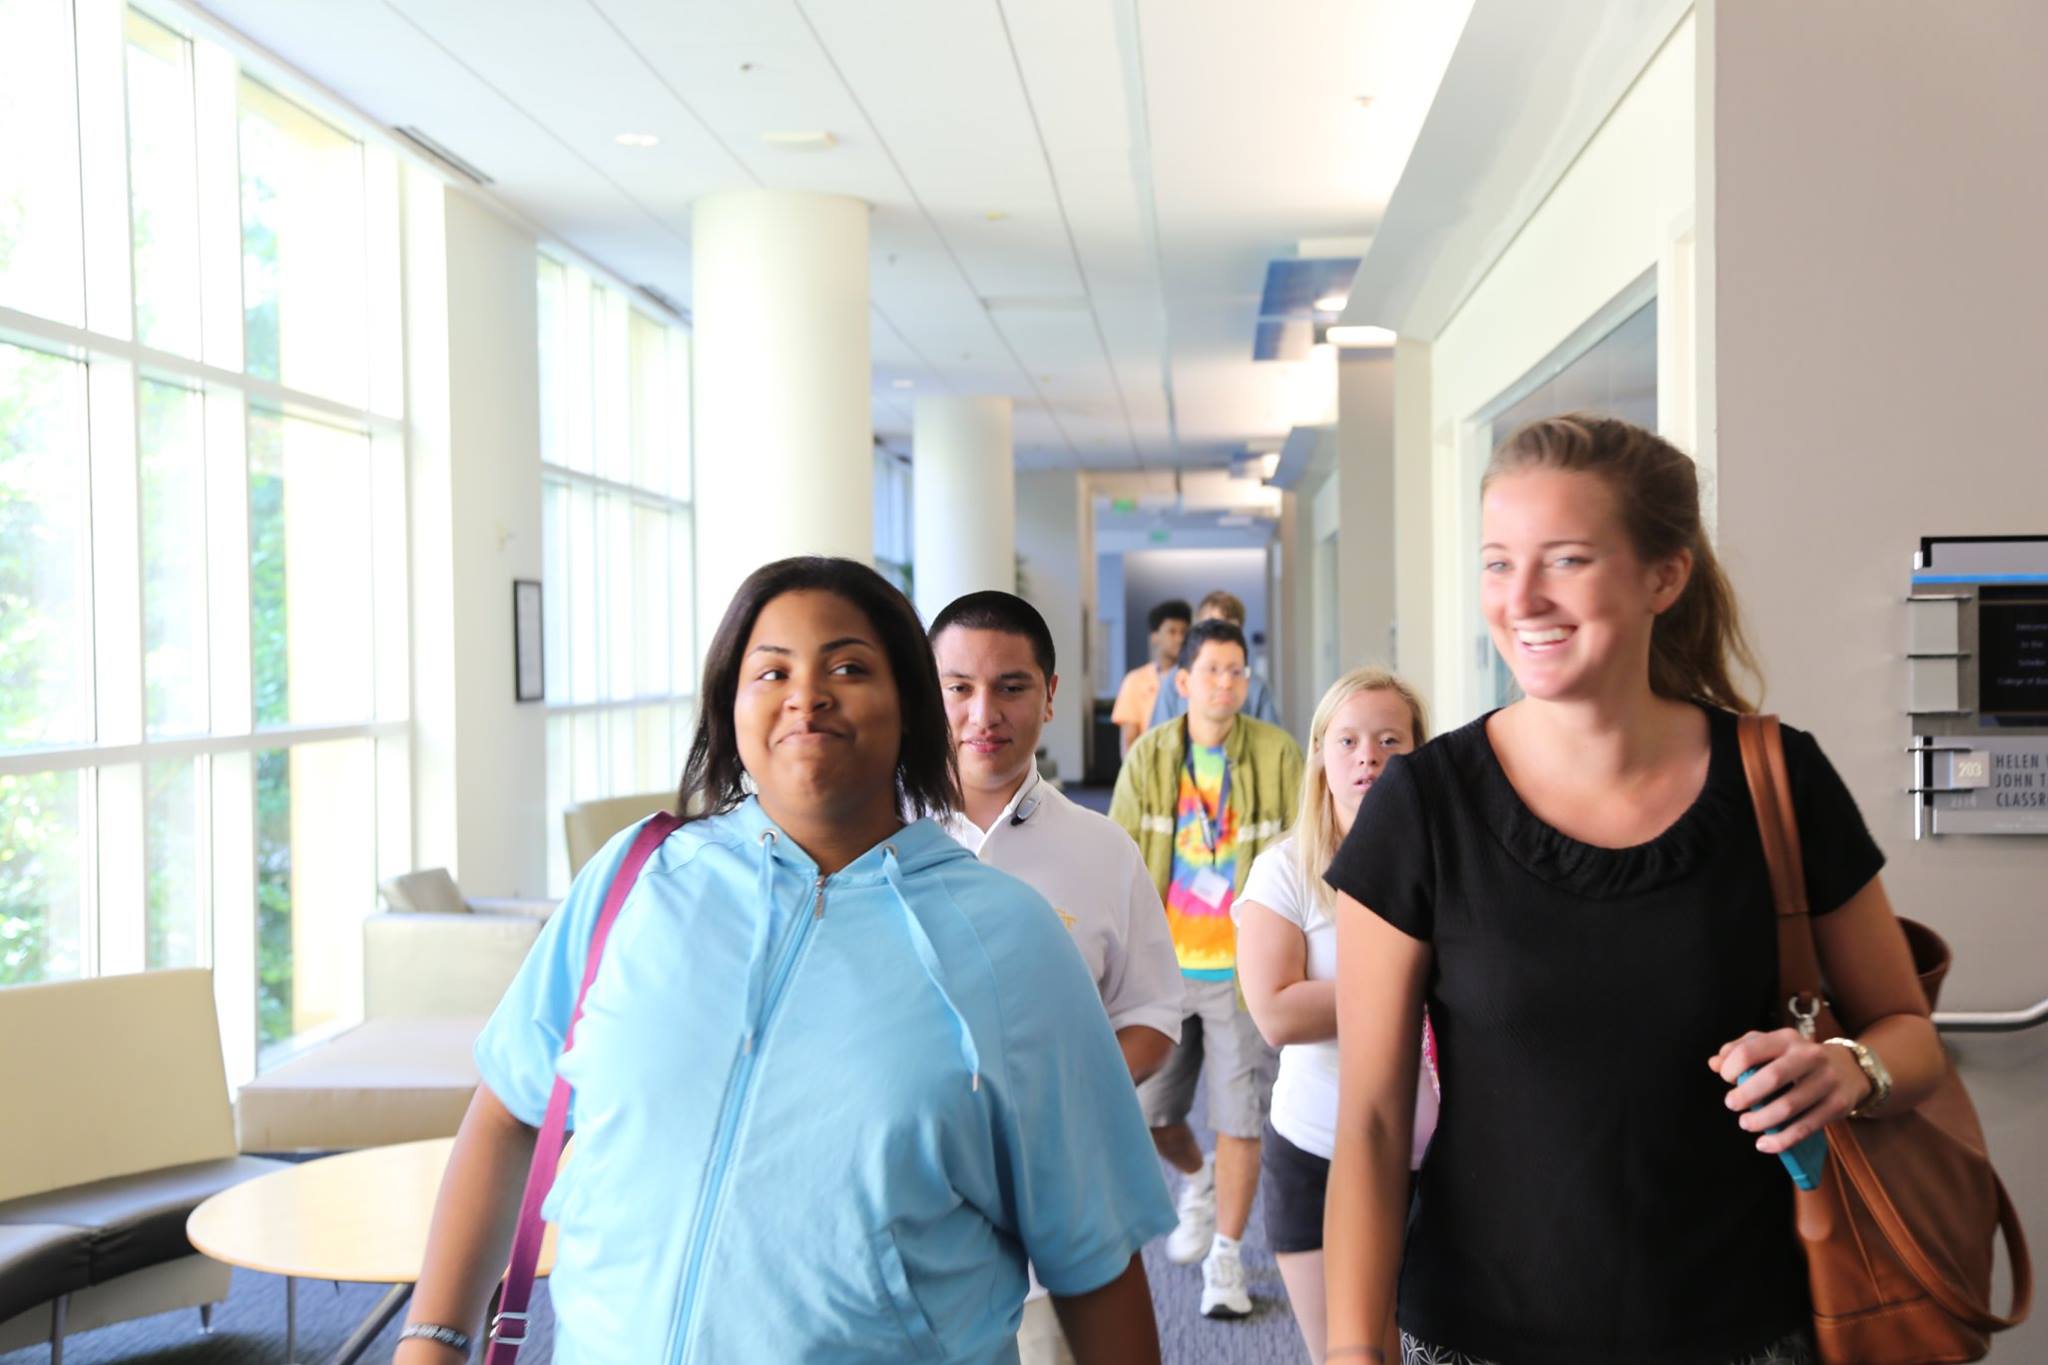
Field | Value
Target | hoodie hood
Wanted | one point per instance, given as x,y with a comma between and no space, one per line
921,846
915,851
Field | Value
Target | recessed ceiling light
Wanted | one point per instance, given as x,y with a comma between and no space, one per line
1359,338
1332,303
637,140
814,141
903,383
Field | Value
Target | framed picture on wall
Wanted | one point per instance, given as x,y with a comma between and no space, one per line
529,677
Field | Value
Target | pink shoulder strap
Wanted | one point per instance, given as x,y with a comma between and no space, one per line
508,1324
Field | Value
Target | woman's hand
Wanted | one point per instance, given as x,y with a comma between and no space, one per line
1820,1084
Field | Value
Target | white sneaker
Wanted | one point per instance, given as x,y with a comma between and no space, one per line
1223,1292
1190,1239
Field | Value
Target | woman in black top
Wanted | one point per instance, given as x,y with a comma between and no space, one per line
1575,886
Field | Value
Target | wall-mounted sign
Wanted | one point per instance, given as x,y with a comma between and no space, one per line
1977,685
2012,640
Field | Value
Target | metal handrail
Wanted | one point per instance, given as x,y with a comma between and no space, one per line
1991,1021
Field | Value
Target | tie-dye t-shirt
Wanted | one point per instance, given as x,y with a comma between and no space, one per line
1204,938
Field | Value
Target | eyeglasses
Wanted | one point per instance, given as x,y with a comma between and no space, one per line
1225,673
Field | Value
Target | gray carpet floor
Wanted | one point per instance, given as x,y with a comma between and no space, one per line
248,1329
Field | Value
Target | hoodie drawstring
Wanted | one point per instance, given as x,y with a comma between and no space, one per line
928,958
757,952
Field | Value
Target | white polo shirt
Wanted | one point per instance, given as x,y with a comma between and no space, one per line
1091,872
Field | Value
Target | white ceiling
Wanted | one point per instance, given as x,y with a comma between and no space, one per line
1074,200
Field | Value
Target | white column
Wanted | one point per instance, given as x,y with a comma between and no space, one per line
1051,509
784,437
473,417
963,499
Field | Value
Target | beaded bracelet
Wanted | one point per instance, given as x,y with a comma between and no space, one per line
435,1332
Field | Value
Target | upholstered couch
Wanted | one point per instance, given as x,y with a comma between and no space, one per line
588,825
118,1128
431,976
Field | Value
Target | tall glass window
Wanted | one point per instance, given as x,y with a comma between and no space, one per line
303,259
197,727
893,544
42,251
163,186
1608,367
615,514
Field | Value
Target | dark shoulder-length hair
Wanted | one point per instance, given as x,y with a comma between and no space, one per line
927,773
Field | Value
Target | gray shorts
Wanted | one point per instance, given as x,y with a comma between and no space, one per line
1219,1043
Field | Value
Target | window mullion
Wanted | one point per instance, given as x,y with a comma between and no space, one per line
220,205
227,563
123,854
103,164
231,909
116,538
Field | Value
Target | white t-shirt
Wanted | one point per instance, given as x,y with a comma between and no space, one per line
1092,873
1305,1092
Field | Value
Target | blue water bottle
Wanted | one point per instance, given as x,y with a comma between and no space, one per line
1805,1159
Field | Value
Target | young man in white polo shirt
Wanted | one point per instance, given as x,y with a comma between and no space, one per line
996,669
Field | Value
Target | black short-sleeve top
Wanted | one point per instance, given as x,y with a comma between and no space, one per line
1588,1196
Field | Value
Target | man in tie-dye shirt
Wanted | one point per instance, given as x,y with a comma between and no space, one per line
1203,797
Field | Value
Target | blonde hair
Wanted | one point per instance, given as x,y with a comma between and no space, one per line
1316,831
1697,646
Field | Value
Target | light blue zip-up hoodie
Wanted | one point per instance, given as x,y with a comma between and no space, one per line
822,1119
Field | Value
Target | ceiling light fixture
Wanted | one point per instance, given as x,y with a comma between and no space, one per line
637,140
903,383
1359,338
1332,303
816,141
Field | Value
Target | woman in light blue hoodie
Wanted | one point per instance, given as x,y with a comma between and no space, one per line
835,1080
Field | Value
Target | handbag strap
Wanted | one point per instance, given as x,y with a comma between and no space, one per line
508,1324
1770,790
1799,976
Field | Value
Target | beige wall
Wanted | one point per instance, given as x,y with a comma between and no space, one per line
1414,511
1878,358
1365,500
1623,209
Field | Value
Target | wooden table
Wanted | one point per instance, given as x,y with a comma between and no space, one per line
360,1217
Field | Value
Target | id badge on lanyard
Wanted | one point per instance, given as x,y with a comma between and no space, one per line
1212,826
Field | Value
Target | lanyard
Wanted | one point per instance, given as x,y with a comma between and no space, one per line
1027,803
1212,827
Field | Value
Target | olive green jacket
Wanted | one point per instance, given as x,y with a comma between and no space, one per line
1265,788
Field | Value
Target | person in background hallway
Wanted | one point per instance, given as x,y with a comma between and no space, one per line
1168,623
836,1079
1577,884
997,673
1203,798
1172,703
1287,962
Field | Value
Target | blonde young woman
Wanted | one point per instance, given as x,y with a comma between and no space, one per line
1287,964
1576,884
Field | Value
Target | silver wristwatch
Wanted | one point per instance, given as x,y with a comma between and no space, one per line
1873,1069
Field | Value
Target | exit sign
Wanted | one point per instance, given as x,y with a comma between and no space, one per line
1123,504
1159,537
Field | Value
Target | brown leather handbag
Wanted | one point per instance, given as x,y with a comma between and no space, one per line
1899,1236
